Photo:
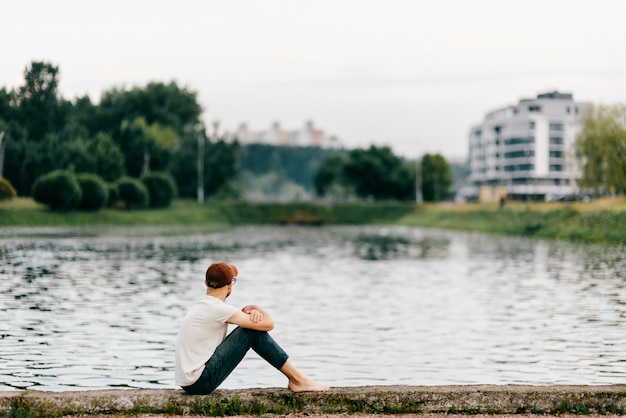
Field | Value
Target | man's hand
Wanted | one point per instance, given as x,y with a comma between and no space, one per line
256,315
252,316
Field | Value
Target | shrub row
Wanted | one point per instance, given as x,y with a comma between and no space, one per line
63,190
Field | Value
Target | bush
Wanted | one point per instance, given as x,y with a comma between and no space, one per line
161,188
7,192
95,192
113,193
133,193
58,189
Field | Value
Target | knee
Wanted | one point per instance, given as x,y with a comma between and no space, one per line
250,331
252,334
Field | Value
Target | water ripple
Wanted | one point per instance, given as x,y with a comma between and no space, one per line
92,309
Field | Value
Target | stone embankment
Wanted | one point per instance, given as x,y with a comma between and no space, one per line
368,400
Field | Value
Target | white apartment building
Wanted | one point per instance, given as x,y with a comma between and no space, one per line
526,150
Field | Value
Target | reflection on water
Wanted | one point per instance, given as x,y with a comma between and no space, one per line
353,305
383,245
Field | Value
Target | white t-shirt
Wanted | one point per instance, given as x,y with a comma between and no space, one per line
202,330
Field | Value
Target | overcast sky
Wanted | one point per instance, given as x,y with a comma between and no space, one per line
411,74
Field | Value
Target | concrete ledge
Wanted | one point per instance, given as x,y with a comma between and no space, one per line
473,399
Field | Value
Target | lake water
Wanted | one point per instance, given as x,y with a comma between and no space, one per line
97,308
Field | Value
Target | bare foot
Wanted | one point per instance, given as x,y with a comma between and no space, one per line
306,385
299,382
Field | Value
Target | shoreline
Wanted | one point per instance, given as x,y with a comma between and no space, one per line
602,220
362,400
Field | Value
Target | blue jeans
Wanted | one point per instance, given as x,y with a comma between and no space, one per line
230,353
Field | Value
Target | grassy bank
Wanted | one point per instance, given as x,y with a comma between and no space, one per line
26,213
599,220
354,213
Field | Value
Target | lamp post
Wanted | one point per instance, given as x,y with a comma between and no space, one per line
216,125
200,162
419,198
200,190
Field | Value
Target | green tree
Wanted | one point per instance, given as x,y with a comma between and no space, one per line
26,108
6,109
601,148
329,175
36,131
183,166
140,127
146,147
165,104
377,173
72,155
83,114
107,159
38,159
147,123
54,153
436,177
39,107
220,165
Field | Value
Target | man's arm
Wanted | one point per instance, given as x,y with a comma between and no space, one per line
252,317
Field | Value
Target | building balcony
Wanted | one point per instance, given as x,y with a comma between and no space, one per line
518,161
518,147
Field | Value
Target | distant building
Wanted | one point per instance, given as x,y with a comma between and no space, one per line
526,150
276,135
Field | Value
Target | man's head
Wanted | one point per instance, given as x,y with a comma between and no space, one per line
220,274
